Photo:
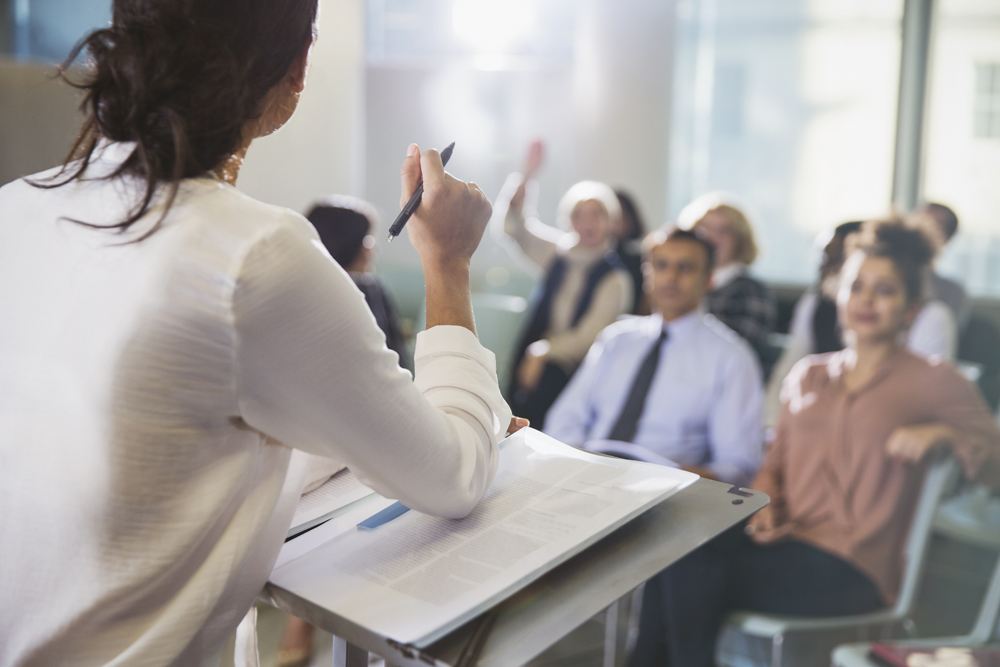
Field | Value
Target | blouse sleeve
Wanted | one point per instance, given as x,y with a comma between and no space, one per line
770,478
313,371
958,404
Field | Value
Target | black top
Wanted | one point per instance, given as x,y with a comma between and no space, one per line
384,309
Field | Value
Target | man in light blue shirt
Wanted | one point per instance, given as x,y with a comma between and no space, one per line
677,387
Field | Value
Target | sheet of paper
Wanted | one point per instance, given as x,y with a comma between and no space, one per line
419,577
337,493
354,514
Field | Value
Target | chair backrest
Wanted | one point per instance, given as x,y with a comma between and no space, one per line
985,630
940,477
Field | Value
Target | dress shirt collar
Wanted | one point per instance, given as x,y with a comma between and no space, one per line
677,329
724,275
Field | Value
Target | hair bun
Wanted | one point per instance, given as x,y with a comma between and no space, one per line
898,239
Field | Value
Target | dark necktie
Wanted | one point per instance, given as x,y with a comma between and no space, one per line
628,421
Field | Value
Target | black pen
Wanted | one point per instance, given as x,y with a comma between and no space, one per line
411,206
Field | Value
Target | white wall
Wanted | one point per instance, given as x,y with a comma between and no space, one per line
38,119
321,149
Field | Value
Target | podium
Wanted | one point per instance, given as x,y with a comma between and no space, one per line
546,610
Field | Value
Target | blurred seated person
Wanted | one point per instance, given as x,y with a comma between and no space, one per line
742,303
814,328
843,473
676,387
944,222
586,286
345,227
630,231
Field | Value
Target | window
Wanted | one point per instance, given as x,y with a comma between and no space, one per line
47,30
986,124
962,155
791,106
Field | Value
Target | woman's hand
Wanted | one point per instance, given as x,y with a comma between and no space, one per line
765,526
529,372
445,230
536,154
516,424
912,443
451,219
531,368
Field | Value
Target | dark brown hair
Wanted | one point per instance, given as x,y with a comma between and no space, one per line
671,232
632,221
342,224
180,79
908,247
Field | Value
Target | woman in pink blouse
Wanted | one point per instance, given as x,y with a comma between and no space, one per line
843,473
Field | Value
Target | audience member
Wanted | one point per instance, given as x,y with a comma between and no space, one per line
586,286
944,222
676,387
814,327
742,303
843,473
344,225
630,231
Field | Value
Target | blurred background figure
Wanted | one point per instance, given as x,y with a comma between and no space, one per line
676,388
741,302
816,329
345,226
585,288
943,222
630,231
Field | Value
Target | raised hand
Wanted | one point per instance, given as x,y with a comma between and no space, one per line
536,155
451,219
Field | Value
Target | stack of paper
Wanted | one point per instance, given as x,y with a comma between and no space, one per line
418,577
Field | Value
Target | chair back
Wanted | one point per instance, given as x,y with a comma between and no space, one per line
940,477
985,631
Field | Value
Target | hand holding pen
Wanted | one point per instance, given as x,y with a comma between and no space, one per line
452,215
411,205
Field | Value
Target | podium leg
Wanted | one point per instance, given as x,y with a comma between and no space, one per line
611,634
346,654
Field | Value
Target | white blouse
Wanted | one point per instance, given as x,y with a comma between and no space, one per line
150,397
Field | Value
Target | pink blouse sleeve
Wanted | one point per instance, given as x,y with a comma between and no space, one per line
959,405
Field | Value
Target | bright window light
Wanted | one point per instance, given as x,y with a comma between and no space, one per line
491,26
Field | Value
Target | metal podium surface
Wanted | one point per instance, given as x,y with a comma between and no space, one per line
537,616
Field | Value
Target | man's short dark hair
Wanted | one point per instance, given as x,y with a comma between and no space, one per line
671,232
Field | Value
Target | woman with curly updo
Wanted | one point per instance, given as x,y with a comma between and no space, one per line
843,473
167,341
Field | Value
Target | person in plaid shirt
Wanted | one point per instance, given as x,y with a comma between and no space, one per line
742,303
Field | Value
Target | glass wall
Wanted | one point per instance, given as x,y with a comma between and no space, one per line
790,105
962,156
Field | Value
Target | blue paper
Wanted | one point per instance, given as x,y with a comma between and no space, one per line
385,516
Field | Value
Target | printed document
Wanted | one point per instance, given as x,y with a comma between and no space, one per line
418,577
327,501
